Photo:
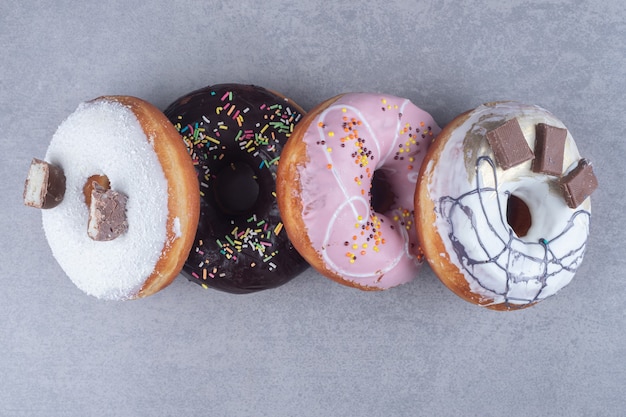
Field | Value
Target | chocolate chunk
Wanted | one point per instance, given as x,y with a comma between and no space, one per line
509,145
549,148
579,183
45,185
107,214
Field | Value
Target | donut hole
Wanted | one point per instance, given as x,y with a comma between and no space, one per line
381,193
101,180
518,215
236,188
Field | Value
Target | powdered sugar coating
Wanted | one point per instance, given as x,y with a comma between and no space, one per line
104,137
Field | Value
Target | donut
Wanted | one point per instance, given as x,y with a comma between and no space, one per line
235,134
125,218
345,188
502,205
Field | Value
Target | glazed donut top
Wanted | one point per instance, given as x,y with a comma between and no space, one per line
346,143
104,137
471,192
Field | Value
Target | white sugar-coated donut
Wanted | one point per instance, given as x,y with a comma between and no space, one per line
325,180
461,215
131,143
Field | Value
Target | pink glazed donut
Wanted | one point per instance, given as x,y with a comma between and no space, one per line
345,186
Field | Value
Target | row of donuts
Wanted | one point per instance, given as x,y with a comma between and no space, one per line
364,188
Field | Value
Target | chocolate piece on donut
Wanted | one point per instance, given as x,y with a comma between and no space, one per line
509,145
45,185
107,214
549,147
579,183
235,135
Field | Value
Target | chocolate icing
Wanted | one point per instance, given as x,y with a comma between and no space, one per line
509,145
235,134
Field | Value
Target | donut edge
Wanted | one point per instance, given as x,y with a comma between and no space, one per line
183,191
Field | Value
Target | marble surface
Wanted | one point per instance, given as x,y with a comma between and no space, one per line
312,347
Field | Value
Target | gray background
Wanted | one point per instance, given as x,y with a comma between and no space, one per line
312,347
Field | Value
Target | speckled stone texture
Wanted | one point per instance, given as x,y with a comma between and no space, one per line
312,347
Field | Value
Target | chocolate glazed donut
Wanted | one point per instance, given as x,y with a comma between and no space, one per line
235,134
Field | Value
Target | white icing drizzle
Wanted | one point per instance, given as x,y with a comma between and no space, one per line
362,218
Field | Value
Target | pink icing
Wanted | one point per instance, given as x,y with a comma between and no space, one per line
356,135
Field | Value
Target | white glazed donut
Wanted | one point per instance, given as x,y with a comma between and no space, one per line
131,143
485,254
324,188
